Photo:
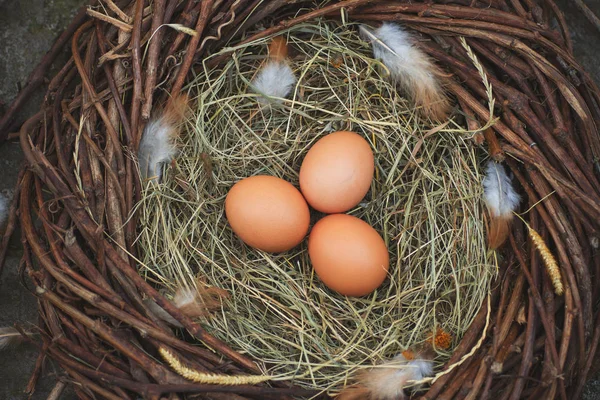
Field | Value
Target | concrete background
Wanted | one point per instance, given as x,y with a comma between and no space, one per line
27,30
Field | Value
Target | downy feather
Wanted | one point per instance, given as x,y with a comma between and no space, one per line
275,79
388,381
158,144
499,194
199,301
410,68
194,302
501,200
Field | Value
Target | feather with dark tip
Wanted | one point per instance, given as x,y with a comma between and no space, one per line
501,200
410,68
199,301
388,380
275,78
158,145
193,301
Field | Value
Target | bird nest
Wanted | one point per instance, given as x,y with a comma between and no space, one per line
425,201
90,228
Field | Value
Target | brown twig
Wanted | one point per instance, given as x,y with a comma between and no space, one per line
113,21
205,9
136,59
537,300
57,390
153,53
493,145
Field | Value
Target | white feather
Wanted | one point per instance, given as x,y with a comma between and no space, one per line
388,381
194,302
393,46
274,81
416,368
157,147
4,206
498,191
185,296
421,369
390,386
409,67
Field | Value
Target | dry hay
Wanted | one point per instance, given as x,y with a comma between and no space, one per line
425,201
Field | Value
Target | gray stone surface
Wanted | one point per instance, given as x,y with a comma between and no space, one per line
585,37
27,30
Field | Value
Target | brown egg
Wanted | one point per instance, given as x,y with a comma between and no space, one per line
337,172
348,255
267,213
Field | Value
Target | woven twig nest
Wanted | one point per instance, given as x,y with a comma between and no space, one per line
81,184
425,201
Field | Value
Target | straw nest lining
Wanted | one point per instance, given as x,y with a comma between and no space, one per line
424,201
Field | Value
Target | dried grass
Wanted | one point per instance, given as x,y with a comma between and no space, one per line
425,201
